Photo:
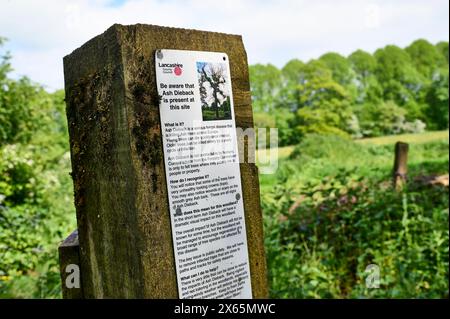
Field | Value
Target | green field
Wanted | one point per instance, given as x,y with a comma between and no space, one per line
285,151
330,210
407,138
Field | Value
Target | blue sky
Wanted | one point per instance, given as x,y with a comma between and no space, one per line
41,32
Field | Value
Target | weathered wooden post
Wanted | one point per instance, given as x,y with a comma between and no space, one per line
69,261
119,149
400,164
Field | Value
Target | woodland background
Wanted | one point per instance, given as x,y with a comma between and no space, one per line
329,210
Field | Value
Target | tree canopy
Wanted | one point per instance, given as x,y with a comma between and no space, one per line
391,91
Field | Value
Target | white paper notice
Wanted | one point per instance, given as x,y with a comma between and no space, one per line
203,175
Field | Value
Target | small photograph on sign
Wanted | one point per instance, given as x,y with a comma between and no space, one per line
214,91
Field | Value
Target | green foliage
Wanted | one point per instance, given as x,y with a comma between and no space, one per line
330,211
36,213
284,122
323,247
320,121
368,88
437,100
363,63
397,75
265,83
383,119
443,49
324,105
36,209
292,74
425,57
24,107
340,68
316,146
293,71
393,91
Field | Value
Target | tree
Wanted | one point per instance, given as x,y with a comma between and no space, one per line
293,71
297,76
340,68
292,75
317,86
442,47
266,83
324,105
18,118
381,119
425,57
5,66
285,123
400,80
35,208
213,88
437,100
365,65
349,95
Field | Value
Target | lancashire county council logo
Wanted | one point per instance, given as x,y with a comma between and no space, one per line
177,70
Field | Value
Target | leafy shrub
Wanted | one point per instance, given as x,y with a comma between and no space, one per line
36,209
330,211
320,239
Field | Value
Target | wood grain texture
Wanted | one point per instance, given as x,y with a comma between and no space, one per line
117,160
400,165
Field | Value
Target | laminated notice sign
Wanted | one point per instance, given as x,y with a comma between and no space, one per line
202,174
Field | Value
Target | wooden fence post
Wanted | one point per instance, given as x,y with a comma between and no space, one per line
121,199
400,164
69,262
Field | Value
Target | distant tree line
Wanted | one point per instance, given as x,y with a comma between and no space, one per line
392,91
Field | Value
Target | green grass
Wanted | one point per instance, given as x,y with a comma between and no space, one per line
407,138
285,151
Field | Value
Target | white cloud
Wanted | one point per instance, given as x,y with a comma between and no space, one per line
42,32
